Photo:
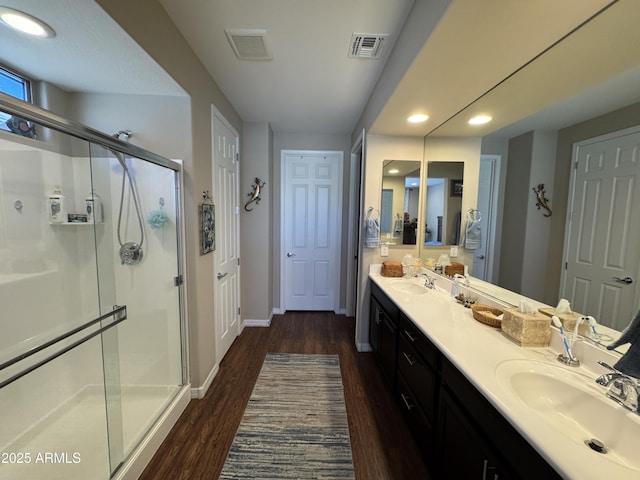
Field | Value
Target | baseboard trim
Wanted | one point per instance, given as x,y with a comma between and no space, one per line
200,392
252,322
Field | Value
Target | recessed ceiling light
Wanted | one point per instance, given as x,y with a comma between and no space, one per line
25,23
418,118
480,120
393,171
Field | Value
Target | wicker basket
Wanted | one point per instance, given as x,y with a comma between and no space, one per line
486,314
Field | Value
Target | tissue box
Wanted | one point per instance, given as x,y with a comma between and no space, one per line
526,329
568,320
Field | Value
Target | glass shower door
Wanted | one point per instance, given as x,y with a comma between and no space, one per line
138,265
52,389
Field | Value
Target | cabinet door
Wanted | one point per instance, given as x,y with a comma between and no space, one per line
461,451
374,326
383,340
388,348
418,422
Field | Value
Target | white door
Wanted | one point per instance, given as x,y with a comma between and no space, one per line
226,261
601,251
487,200
311,230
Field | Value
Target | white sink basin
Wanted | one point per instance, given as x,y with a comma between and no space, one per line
408,286
576,406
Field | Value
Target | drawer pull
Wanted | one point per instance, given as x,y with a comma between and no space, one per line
406,401
411,337
408,359
486,471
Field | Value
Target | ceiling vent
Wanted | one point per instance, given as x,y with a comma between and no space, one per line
248,44
366,46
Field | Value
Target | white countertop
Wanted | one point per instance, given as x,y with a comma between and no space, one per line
477,350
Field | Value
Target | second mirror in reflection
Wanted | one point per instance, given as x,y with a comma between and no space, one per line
443,206
400,202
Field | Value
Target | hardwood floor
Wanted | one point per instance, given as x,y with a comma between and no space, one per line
381,443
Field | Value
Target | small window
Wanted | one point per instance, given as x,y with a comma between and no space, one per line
18,87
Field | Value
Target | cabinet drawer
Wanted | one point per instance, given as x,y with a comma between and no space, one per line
417,420
420,377
420,342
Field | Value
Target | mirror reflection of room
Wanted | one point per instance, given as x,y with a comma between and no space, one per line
443,204
400,202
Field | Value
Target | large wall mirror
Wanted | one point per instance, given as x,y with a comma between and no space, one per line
443,203
538,120
400,207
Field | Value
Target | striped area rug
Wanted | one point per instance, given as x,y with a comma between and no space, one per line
295,424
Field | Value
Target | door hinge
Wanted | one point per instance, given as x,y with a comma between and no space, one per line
566,265
177,281
575,165
238,261
238,310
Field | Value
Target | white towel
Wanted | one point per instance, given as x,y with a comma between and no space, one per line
473,235
371,231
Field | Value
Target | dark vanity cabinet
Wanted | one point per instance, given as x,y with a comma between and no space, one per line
460,434
383,332
475,441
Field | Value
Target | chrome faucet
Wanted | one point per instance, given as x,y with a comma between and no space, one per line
622,388
429,281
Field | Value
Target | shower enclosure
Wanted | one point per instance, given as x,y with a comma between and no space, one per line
92,344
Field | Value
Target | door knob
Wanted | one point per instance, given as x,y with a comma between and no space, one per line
221,275
481,257
290,254
627,280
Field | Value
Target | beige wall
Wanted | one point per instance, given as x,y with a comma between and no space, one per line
256,226
149,25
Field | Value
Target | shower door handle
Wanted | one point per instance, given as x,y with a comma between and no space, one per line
220,276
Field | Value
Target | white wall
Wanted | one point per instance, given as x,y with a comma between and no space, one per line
378,149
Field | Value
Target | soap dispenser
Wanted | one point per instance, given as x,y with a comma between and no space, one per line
56,207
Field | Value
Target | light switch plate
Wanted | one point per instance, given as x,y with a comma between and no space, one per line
384,250
454,251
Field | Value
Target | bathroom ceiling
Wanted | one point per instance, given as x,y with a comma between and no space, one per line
310,85
90,52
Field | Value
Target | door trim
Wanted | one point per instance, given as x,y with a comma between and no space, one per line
337,253
353,243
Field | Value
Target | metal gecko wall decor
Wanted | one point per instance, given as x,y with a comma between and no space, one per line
254,195
542,200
